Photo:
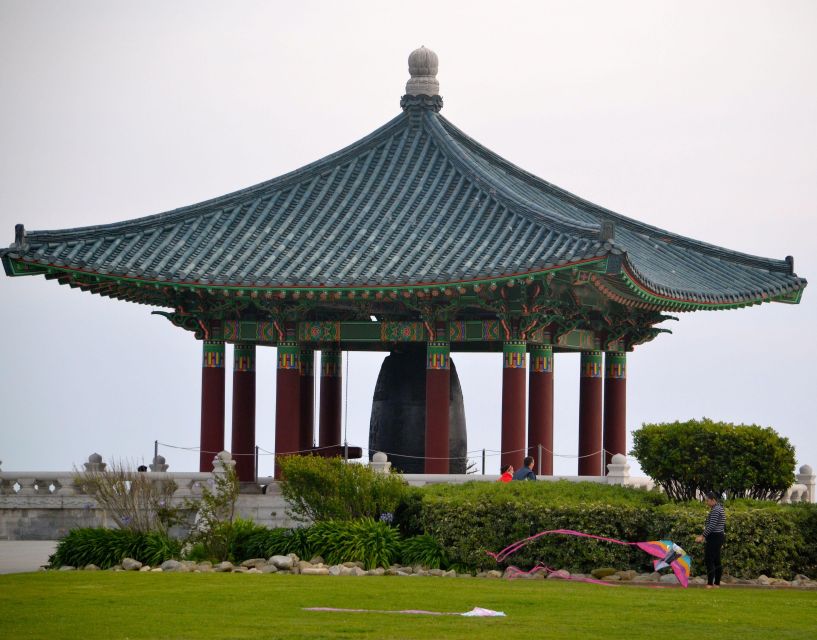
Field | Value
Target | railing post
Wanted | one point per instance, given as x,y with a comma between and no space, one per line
483,462
539,460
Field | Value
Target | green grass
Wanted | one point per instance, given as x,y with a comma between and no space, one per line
144,605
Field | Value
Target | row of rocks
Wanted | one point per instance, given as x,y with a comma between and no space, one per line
291,564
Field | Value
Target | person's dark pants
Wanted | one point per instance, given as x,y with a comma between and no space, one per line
712,557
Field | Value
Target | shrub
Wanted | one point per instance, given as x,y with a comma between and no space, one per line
133,499
372,542
738,461
107,547
215,512
320,489
424,550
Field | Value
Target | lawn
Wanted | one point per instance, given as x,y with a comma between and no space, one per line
149,605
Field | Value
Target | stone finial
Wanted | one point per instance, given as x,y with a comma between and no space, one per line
423,67
222,461
380,462
159,464
95,463
618,471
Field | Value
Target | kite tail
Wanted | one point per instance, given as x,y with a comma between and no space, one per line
515,572
509,550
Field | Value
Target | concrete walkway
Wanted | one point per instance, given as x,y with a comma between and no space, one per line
19,556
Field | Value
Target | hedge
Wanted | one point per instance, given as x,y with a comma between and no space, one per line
762,537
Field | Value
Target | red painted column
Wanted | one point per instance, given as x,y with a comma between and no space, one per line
211,441
615,406
590,387
306,432
438,396
243,446
540,408
513,403
329,421
287,401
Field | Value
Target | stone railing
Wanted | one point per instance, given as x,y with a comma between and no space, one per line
45,505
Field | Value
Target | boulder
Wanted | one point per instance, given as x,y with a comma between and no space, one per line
335,570
357,571
224,567
145,568
602,572
91,567
173,566
493,573
129,564
269,568
668,578
283,563
317,560
629,574
315,571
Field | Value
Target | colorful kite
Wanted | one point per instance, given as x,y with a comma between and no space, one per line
670,554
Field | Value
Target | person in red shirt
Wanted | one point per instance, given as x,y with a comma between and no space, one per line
507,473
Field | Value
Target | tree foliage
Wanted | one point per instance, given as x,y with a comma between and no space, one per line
320,489
737,461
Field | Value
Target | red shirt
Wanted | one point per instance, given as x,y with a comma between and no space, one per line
505,477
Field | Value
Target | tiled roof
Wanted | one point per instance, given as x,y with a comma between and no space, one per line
415,202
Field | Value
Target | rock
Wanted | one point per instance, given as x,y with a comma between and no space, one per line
378,571
205,568
394,571
317,560
173,566
464,575
629,574
295,559
436,572
240,570
697,580
315,571
269,568
420,572
224,567
253,570
450,574
156,570
205,563
335,570
403,573
146,567
303,564
282,562
493,573
254,563
602,572
357,571
612,578
91,567
668,578
763,580
129,564
562,574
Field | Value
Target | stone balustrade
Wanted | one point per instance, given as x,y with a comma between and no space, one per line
45,505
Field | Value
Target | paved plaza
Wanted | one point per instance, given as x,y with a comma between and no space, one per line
19,556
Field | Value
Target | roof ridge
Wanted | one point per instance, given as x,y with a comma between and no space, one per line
518,202
636,226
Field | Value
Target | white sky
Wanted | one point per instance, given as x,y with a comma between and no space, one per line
697,117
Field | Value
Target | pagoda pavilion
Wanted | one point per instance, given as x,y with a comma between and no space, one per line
414,234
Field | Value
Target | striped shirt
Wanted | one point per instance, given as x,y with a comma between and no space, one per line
715,520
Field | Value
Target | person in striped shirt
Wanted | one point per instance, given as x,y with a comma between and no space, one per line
713,537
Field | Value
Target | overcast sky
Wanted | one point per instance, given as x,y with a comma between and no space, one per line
697,117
